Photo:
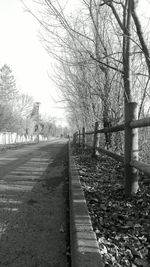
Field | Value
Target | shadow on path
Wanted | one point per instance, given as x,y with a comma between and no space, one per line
33,209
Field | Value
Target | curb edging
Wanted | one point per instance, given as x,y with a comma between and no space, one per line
84,247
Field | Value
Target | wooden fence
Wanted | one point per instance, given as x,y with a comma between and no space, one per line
130,158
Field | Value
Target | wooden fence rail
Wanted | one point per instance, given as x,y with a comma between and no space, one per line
117,128
130,158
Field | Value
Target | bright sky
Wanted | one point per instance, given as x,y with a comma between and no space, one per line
21,49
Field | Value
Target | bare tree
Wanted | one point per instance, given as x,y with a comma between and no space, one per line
98,52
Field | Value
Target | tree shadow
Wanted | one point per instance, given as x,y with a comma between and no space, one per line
25,213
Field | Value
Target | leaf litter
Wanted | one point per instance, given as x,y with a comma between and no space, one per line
122,226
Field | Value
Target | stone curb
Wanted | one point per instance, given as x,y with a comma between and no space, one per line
84,247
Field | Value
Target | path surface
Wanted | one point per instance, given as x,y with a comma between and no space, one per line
33,206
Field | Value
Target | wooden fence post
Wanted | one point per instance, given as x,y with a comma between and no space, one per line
79,134
95,139
131,150
83,137
75,138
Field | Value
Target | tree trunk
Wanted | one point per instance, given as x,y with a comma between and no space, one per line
126,51
107,123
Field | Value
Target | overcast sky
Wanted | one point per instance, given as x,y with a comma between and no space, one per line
21,49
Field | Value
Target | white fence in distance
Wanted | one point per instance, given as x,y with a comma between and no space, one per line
7,138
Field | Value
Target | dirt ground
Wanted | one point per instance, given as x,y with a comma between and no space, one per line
34,206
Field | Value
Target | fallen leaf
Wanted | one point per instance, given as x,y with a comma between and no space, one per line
61,229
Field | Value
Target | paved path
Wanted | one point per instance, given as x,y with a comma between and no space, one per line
33,206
